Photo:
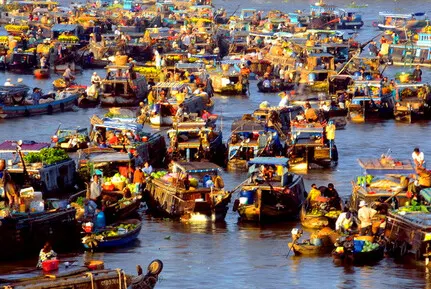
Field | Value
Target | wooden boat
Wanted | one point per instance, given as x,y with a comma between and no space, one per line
15,104
324,15
170,198
22,62
41,73
400,22
71,139
301,249
25,233
119,240
410,232
312,221
370,101
164,111
414,102
83,277
276,86
360,258
277,199
227,80
150,146
310,147
196,139
383,187
119,90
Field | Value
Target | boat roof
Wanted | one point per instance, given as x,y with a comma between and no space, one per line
110,157
395,15
120,123
64,27
375,167
247,126
27,146
197,65
269,161
170,84
197,167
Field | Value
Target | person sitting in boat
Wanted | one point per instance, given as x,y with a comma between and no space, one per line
218,182
310,113
179,115
345,221
284,99
418,158
148,169
90,209
266,82
313,196
68,76
323,106
112,138
331,193
43,61
417,74
365,215
8,82
137,160
36,95
46,253
422,180
95,79
267,172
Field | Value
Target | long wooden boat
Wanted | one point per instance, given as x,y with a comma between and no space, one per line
84,278
169,197
312,221
263,200
18,108
25,233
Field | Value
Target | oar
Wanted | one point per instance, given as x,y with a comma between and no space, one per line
394,195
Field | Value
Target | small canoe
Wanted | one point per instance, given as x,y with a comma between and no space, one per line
41,73
118,240
309,249
360,258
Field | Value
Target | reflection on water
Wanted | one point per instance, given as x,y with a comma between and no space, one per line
240,255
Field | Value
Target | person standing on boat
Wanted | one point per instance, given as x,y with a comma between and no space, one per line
138,179
417,74
95,189
137,159
68,76
36,95
365,214
330,134
344,221
46,254
418,158
43,62
95,79
284,99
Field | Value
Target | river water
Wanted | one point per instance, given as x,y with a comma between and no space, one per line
235,255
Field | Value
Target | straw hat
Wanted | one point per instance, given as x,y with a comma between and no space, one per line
19,80
362,204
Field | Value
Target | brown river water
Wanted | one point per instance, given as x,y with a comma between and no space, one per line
235,255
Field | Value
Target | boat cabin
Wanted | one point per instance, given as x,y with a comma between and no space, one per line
52,179
393,21
13,95
71,139
285,115
23,61
413,102
66,29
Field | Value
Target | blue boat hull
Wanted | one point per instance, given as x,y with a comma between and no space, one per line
120,240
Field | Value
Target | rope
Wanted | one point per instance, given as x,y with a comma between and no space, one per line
89,274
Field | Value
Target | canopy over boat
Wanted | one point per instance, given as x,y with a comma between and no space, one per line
378,167
197,167
27,146
274,161
110,157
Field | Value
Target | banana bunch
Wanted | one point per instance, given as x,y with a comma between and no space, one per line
92,241
333,214
11,27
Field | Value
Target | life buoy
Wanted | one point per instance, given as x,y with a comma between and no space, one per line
62,107
50,110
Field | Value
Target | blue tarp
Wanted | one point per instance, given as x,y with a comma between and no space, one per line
269,161
63,27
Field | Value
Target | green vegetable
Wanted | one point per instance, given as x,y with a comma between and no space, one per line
80,201
47,156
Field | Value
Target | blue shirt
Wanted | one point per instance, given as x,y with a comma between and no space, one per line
148,170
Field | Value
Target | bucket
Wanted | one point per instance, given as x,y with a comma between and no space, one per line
358,245
144,139
96,265
87,227
247,194
50,265
243,200
100,220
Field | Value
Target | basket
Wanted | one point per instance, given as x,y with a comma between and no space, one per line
119,185
121,60
50,265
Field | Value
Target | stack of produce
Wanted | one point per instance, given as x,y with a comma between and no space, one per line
93,240
68,38
148,72
16,28
414,207
333,214
46,156
117,182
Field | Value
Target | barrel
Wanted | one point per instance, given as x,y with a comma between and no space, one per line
2,164
312,77
247,194
279,170
100,220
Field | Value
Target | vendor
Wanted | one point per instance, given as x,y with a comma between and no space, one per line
46,254
95,189
345,221
137,159
218,182
331,193
310,113
138,179
148,169
365,214
313,195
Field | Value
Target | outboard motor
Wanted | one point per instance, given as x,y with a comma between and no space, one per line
149,280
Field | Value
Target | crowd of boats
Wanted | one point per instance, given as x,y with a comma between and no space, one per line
169,59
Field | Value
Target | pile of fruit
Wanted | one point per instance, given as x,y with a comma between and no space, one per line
369,246
148,72
316,212
116,182
47,156
414,207
68,39
333,214
118,230
16,28
158,175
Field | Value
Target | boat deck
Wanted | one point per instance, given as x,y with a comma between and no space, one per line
378,167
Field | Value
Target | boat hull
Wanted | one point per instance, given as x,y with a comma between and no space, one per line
55,106
308,250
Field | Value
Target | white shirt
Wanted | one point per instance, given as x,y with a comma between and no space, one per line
95,78
8,83
365,215
284,101
420,158
186,40
67,73
117,32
